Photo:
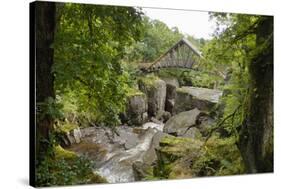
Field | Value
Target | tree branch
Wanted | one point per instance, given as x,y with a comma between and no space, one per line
218,126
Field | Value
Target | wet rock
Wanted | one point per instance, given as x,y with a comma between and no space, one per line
115,152
155,90
154,120
77,135
144,168
72,137
119,167
181,123
127,137
136,108
153,125
188,98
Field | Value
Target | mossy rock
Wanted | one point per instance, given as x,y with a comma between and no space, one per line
177,147
149,81
136,108
181,169
155,90
221,157
66,168
180,158
134,92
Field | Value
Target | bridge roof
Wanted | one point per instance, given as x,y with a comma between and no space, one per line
184,41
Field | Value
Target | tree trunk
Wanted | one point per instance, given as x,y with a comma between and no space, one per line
256,135
44,38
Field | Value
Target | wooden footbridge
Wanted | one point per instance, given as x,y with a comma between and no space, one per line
182,55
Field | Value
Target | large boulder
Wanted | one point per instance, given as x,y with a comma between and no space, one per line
204,123
136,111
171,85
171,81
169,106
143,168
176,156
188,98
126,137
155,90
182,124
162,116
180,157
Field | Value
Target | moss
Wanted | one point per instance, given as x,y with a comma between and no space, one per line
175,148
180,170
134,92
170,72
186,157
149,81
67,127
66,168
95,178
62,153
181,90
221,157
178,141
150,174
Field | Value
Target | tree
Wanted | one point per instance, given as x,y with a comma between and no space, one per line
89,46
45,13
256,136
157,39
243,46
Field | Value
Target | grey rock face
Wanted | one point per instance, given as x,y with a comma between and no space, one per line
155,91
77,135
180,124
188,98
162,116
171,91
72,137
137,109
171,85
204,124
171,81
192,132
170,103
141,168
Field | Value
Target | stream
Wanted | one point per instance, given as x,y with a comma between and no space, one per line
115,152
